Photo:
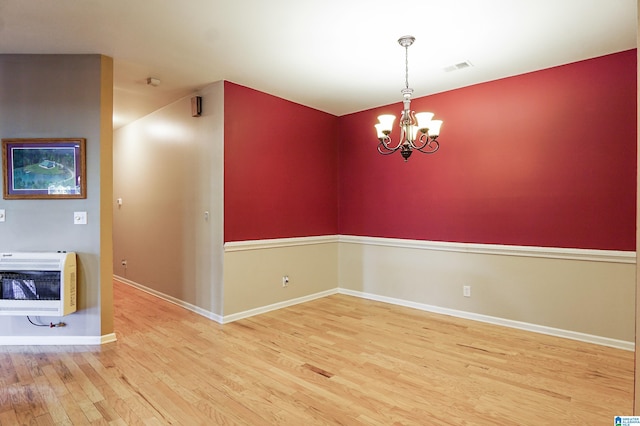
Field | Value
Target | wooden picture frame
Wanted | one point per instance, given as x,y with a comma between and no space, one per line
44,168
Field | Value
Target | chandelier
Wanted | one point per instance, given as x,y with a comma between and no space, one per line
418,131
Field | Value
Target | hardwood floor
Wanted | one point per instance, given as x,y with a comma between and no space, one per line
337,360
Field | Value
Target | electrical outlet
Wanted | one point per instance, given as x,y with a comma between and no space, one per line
466,290
285,281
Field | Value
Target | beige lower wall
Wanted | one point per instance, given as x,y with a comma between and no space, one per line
253,272
586,292
579,291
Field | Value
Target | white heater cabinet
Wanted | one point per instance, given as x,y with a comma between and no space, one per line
37,283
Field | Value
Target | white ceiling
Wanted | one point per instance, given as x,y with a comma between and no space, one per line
338,56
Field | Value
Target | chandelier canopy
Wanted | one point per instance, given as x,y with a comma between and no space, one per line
418,131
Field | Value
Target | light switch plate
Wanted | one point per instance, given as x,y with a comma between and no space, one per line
79,218
3,215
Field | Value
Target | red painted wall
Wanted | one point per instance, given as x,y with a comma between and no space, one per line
280,167
541,159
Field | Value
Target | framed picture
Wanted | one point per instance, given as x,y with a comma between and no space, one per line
44,168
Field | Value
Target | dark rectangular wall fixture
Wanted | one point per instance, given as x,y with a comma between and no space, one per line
196,106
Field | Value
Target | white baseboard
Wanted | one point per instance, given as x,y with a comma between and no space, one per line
188,306
108,338
279,305
573,335
56,340
227,318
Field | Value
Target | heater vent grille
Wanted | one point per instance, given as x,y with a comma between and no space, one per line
458,66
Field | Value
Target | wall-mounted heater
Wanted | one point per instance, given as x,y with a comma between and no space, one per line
37,283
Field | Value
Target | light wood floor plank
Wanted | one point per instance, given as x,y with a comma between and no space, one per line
336,360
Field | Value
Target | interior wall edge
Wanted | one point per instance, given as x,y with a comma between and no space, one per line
636,385
106,195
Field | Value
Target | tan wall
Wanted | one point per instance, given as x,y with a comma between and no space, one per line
106,197
253,273
168,171
594,296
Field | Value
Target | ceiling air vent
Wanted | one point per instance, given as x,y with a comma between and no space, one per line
458,66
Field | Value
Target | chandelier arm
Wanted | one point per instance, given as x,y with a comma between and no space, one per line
433,145
385,149
424,141
386,143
